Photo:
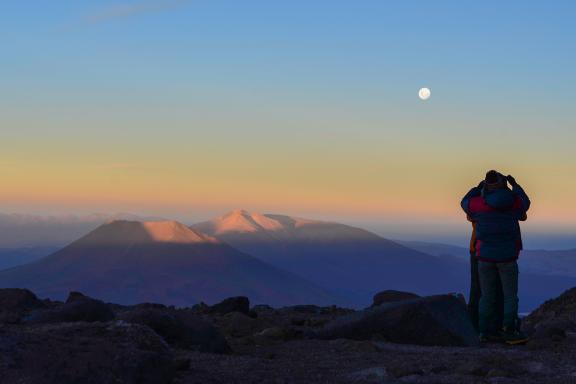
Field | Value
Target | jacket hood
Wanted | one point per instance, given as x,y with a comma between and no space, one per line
500,198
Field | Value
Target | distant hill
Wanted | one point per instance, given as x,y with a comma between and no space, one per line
166,262
345,259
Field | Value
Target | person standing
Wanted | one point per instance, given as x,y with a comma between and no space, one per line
496,211
475,292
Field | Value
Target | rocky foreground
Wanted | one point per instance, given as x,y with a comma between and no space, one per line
400,339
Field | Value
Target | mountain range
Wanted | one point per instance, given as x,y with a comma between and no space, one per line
270,258
166,262
350,261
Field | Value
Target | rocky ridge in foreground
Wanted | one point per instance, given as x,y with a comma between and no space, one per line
400,339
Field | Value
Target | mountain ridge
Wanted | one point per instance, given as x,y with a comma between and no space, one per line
338,257
167,262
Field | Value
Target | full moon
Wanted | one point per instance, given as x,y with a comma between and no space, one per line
424,93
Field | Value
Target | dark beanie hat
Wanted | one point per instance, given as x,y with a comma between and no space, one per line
494,180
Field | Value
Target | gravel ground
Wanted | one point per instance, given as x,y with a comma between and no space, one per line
347,361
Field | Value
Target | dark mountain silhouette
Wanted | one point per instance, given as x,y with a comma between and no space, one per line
166,262
345,259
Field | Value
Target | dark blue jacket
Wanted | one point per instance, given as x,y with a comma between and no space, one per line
496,215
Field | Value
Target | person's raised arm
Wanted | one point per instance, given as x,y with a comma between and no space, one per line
522,203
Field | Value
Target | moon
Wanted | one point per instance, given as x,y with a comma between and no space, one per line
424,93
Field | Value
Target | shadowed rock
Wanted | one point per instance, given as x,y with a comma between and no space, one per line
178,329
232,304
554,316
77,308
15,303
76,296
84,353
237,324
433,320
391,296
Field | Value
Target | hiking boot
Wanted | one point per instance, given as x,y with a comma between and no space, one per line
513,336
491,337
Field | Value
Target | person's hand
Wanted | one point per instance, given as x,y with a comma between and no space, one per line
511,180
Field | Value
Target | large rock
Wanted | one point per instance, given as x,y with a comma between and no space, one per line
232,304
433,320
391,296
15,303
557,314
77,308
236,324
179,329
90,353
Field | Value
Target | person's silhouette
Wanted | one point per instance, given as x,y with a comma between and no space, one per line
495,211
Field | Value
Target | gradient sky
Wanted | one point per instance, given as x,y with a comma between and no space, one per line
188,109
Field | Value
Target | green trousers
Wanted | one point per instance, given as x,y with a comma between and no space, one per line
489,274
475,294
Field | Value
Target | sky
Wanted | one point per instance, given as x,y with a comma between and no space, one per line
188,109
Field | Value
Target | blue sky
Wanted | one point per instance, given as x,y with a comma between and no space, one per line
372,48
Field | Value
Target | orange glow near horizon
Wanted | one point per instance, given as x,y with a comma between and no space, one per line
357,192
287,165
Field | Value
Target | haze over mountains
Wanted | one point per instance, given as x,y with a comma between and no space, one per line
166,262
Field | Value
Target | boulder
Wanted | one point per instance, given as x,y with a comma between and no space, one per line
232,304
391,296
201,308
15,303
435,320
77,308
76,296
237,324
89,353
179,329
18,299
554,316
